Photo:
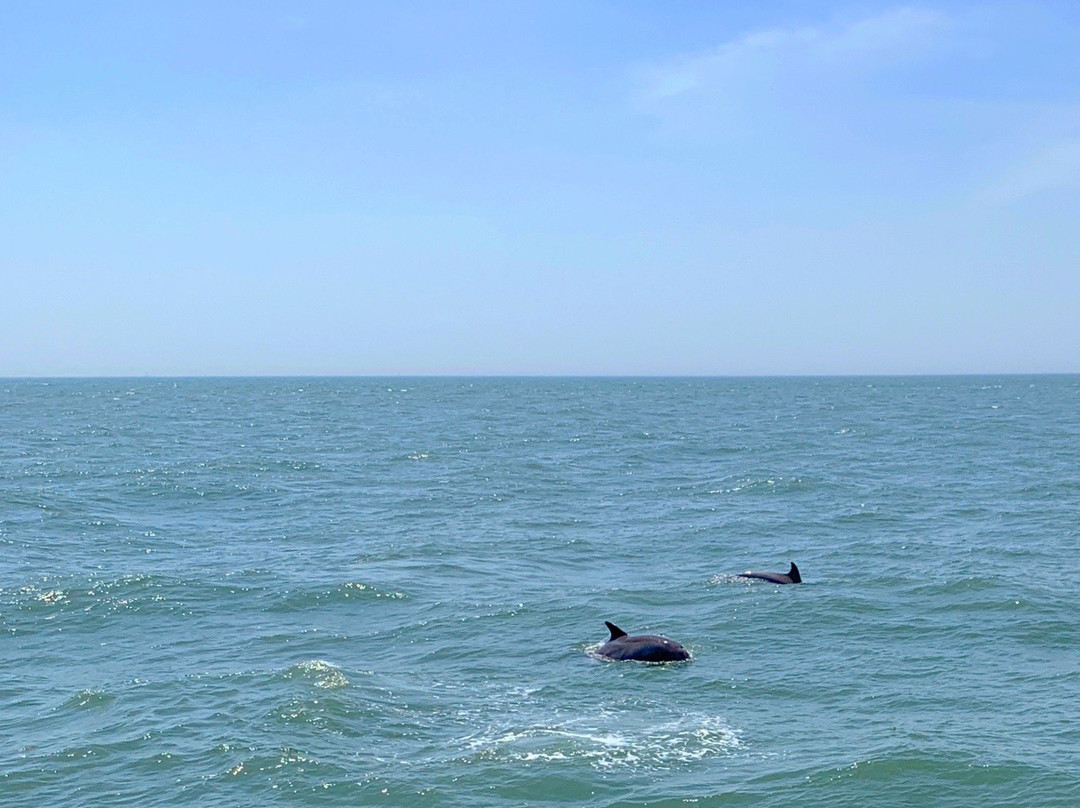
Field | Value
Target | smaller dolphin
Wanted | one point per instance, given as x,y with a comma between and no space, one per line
792,576
641,647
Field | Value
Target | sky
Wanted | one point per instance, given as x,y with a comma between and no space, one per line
560,187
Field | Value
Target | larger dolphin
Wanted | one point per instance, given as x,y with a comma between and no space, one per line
641,647
792,576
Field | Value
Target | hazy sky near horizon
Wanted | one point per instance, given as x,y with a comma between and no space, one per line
221,188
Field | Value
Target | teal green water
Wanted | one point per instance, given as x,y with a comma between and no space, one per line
252,592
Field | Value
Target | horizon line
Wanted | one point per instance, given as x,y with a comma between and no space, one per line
811,375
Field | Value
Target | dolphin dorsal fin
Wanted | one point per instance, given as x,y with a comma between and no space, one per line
616,632
793,574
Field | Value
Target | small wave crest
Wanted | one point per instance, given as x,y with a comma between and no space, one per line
88,699
757,485
56,596
319,672
352,590
285,759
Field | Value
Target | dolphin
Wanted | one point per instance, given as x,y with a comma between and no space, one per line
641,647
792,576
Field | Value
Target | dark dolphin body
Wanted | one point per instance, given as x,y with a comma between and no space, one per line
641,647
792,576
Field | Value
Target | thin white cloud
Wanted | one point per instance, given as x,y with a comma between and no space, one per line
889,103
853,48
767,64
1053,167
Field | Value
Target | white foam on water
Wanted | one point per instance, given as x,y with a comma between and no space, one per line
680,741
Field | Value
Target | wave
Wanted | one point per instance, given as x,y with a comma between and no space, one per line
920,777
303,599
55,596
319,673
89,699
157,593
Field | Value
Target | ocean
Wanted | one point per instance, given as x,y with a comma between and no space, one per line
386,591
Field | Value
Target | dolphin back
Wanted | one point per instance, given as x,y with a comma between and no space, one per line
641,647
792,576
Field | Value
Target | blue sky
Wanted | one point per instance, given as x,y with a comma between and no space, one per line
554,187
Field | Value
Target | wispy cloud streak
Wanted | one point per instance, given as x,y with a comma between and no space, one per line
759,62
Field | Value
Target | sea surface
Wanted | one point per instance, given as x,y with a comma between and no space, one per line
362,591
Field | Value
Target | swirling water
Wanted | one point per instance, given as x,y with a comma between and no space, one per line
250,592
